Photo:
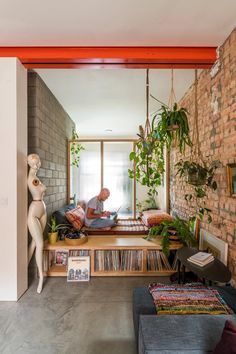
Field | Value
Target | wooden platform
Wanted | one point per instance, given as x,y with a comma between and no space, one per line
112,243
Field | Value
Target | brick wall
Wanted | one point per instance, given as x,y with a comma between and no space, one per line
217,133
49,127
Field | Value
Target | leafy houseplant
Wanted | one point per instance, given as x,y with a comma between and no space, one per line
183,229
148,159
201,177
172,124
147,204
75,149
53,229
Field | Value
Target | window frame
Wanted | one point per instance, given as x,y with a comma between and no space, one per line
101,141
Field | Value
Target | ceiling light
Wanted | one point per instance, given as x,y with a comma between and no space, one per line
108,130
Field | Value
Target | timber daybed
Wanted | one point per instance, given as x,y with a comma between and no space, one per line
124,227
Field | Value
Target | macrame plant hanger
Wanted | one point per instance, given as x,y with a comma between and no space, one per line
195,149
172,97
147,128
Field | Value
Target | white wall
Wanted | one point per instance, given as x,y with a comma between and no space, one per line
13,178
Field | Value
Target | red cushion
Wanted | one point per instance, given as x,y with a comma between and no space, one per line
76,217
152,219
227,344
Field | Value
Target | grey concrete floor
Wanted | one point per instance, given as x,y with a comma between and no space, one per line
72,318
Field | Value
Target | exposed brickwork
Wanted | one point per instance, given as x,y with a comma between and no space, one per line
217,133
49,127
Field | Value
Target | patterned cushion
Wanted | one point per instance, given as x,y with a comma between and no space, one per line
193,298
76,217
155,219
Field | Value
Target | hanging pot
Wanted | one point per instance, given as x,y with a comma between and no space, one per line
197,177
173,127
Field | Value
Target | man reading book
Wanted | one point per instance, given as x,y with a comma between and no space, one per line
95,217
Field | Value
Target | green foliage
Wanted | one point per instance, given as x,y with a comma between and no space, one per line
149,203
182,228
54,227
148,160
75,149
201,178
172,124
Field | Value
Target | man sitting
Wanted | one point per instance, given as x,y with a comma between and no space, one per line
95,217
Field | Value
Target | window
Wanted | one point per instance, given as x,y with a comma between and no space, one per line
105,164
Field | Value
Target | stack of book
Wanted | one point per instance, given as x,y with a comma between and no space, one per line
201,258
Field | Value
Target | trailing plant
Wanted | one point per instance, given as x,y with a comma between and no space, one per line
183,229
172,125
75,148
200,176
148,159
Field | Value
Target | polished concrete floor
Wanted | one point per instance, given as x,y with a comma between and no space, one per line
66,318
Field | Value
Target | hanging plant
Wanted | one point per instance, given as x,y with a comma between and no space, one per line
149,163
197,172
172,125
200,176
148,156
75,148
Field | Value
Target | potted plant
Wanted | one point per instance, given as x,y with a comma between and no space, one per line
172,124
198,174
53,230
181,228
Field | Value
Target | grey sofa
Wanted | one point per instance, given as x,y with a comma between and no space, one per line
177,333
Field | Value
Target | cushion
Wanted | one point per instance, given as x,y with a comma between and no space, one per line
76,217
192,298
227,343
60,214
150,219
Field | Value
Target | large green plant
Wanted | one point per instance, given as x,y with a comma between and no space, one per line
148,159
200,176
172,125
182,228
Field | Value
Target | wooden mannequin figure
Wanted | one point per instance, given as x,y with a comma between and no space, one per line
37,216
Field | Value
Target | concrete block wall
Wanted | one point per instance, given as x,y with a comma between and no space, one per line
217,133
49,127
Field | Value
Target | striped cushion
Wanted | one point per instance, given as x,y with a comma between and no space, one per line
76,217
193,298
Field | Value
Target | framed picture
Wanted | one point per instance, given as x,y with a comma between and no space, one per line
78,268
61,257
214,245
231,174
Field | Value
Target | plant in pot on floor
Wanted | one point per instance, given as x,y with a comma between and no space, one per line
172,230
53,230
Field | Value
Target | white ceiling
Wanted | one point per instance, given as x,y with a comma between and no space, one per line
116,23
112,99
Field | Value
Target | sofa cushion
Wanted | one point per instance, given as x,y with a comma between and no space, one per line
152,219
180,334
76,217
143,303
227,343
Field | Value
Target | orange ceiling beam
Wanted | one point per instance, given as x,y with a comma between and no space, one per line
112,57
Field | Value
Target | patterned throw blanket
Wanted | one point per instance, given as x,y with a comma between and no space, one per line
193,298
123,227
